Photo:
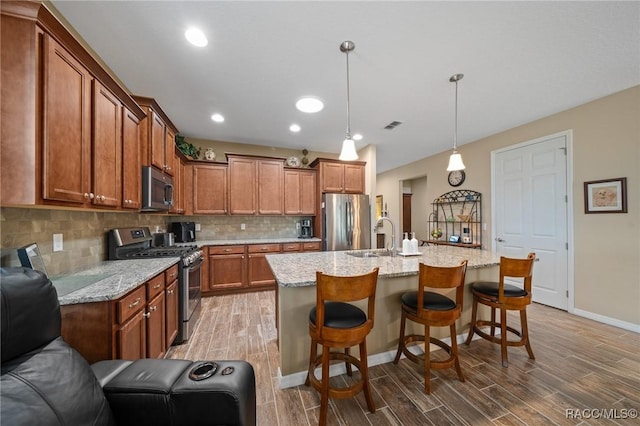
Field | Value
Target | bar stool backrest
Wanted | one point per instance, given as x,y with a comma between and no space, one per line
516,268
331,288
442,277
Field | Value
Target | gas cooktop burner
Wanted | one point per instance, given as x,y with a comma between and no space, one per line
163,251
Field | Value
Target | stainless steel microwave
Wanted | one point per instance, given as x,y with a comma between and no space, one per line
157,190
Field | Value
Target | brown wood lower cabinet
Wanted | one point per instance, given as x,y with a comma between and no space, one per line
243,268
132,327
171,308
259,272
227,268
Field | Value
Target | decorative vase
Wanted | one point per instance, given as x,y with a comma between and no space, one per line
210,154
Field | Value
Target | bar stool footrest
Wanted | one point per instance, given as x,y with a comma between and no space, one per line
340,393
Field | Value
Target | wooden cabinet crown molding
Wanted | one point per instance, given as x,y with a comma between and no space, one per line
151,103
319,160
82,52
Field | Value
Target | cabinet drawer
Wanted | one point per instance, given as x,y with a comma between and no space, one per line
226,250
311,246
291,247
154,286
131,303
171,274
264,248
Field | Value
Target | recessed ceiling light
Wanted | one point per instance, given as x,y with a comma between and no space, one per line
309,104
294,128
196,37
218,118
357,137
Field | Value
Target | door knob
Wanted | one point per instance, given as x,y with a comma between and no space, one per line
500,240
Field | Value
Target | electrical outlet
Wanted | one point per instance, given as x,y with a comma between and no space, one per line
198,227
297,225
243,226
57,242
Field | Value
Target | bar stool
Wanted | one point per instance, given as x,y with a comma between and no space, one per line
433,310
334,323
506,297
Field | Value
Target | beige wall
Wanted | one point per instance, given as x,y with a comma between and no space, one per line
606,144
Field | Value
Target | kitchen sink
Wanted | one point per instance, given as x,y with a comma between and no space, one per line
370,253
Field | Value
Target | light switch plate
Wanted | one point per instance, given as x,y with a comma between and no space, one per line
198,227
57,242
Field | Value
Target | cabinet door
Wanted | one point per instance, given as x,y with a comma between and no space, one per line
171,313
332,177
260,274
292,190
170,152
270,188
353,179
178,188
107,147
131,185
157,141
66,120
258,271
242,186
131,338
156,330
307,193
209,189
227,267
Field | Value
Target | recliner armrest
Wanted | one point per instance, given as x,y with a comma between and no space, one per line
160,392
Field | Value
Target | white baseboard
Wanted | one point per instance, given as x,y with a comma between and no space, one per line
297,379
607,320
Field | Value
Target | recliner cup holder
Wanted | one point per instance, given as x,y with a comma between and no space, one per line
203,370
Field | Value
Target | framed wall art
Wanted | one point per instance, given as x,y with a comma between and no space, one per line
606,196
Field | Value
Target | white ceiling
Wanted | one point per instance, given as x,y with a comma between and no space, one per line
522,61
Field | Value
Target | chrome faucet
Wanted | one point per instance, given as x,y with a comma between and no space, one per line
392,249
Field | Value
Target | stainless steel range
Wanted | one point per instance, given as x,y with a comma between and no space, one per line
136,243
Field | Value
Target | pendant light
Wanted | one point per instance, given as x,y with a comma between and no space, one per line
455,160
348,152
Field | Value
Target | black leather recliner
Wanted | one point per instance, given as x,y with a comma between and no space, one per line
46,382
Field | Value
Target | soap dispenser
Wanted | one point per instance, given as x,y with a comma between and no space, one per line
414,243
406,244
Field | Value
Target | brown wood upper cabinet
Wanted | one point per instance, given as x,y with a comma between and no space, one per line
157,134
63,130
340,176
82,133
131,185
210,189
299,192
256,185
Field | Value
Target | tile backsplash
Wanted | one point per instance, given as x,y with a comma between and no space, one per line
84,232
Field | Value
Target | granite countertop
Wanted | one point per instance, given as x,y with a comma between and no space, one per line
285,240
299,269
108,280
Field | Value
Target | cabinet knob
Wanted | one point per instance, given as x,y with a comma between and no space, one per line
157,286
169,291
146,314
137,302
89,195
101,197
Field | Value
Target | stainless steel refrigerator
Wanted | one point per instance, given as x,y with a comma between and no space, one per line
346,223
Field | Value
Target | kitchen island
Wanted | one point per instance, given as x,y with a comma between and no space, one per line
296,295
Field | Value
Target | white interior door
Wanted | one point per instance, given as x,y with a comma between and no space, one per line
530,212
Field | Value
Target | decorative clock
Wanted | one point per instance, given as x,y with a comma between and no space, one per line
456,177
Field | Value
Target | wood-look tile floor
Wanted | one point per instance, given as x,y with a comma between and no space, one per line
582,367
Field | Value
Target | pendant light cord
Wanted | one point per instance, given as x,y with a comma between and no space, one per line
455,128
348,101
